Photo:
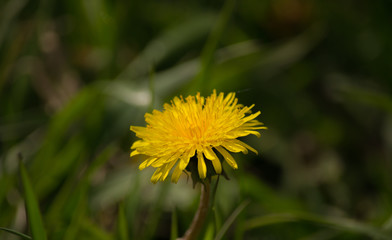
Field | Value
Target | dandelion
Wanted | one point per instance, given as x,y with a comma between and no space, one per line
195,129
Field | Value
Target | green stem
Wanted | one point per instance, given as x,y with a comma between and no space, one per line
201,214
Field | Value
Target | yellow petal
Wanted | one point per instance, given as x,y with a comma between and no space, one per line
201,165
138,130
138,143
186,156
147,162
167,169
233,147
246,146
209,153
252,123
156,176
184,160
165,159
229,98
175,157
229,159
176,174
254,133
251,117
133,153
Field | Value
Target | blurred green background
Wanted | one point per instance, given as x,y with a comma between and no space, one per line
75,74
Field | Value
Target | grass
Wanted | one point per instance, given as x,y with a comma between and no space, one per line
74,75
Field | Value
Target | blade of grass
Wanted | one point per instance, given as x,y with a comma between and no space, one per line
388,224
169,43
24,236
323,235
9,13
155,212
57,143
77,206
151,83
132,205
56,211
231,60
231,219
6,183
207,55
122,225
239,227
266,196
87,227
209,232
346,87
168,81
332,222
214,209
217,217
12,46
174,225
33,212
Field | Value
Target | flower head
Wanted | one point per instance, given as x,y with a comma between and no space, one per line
192,127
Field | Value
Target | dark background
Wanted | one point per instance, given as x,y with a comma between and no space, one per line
75,74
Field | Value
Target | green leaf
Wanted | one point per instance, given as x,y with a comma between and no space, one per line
207,56
217,217
92,231
76,205
174,226
169,43
342,224
364,95
388,224
209,232
33,213
231,219
122,226
66,200
15,233
155,212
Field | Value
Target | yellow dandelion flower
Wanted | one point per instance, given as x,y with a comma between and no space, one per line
195,126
